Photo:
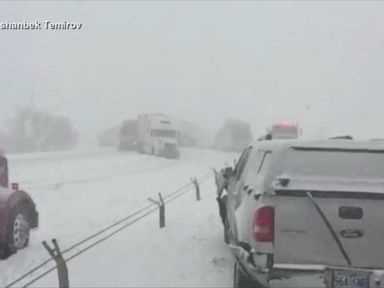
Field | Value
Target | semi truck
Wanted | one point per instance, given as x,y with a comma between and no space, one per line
158,134
233,136
128,136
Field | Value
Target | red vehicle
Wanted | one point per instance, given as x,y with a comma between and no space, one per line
18,214
285,130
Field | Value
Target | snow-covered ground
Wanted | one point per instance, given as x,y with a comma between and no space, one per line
188,252
78,194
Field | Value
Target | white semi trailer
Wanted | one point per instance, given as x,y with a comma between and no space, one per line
158,135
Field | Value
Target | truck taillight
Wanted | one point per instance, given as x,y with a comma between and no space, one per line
264,224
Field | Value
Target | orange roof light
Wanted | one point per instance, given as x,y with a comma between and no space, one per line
285,124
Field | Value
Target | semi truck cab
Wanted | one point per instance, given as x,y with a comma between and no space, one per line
158,135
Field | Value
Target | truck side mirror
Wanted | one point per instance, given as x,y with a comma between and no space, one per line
228,172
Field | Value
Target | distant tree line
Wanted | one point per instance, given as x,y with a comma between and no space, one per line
32,130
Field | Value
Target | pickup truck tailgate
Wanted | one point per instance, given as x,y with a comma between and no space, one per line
302,236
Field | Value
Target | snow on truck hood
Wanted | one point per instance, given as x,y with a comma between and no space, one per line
340,144
330,184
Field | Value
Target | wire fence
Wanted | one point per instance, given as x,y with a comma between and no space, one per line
132,218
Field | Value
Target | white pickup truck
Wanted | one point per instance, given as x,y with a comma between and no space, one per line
307,214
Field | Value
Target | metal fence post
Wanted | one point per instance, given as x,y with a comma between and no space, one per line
62,269
197,188
162,212
161,206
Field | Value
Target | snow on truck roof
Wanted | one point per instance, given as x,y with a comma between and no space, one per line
334,144
339,171
330,184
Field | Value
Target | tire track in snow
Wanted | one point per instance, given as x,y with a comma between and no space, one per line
131,170
17,159
83,246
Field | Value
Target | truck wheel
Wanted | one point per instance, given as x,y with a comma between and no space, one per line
18,231
21,231
240,280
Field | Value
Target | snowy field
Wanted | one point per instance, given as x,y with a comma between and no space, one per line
79,193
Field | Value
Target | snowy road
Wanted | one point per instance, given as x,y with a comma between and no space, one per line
78,194
189,252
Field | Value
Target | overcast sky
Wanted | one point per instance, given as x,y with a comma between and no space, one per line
320,63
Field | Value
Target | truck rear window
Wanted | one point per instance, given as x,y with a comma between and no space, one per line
340,164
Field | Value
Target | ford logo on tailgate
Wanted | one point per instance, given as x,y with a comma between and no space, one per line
351,233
